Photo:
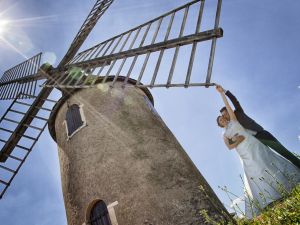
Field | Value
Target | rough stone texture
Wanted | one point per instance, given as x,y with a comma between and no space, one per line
127,154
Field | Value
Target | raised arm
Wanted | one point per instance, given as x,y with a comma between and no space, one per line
234,101
228,107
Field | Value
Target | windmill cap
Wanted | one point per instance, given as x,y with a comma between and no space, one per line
65,97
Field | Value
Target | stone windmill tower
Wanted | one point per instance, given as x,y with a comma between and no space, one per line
120,164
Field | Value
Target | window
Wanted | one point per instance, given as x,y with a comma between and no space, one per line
74,119
99,214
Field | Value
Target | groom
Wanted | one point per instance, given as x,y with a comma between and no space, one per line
258,131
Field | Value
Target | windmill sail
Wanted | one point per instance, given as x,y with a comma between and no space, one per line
132,52
12,140
16,146
21,78
97,11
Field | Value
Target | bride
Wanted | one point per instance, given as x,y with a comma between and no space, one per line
268,176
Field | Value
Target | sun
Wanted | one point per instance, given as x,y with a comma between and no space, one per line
3,26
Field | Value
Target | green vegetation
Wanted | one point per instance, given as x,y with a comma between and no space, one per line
285,211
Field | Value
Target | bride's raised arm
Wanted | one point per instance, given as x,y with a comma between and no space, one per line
228,107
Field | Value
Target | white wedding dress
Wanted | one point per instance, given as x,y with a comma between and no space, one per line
268,176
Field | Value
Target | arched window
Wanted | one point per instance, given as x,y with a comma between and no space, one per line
73,119
99,214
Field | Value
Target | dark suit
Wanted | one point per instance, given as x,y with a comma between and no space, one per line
262,135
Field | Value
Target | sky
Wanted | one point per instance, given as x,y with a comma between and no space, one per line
257,60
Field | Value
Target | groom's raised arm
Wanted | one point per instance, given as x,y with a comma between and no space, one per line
234,101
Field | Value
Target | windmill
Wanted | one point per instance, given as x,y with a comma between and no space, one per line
111,70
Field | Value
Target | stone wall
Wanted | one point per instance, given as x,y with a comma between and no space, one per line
126,153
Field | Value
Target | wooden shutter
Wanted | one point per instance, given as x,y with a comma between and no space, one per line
73,119
99,214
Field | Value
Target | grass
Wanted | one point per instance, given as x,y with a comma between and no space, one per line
285,212
282,212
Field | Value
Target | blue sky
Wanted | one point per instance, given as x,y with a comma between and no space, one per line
257,59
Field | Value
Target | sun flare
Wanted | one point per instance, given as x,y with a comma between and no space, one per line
3,26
